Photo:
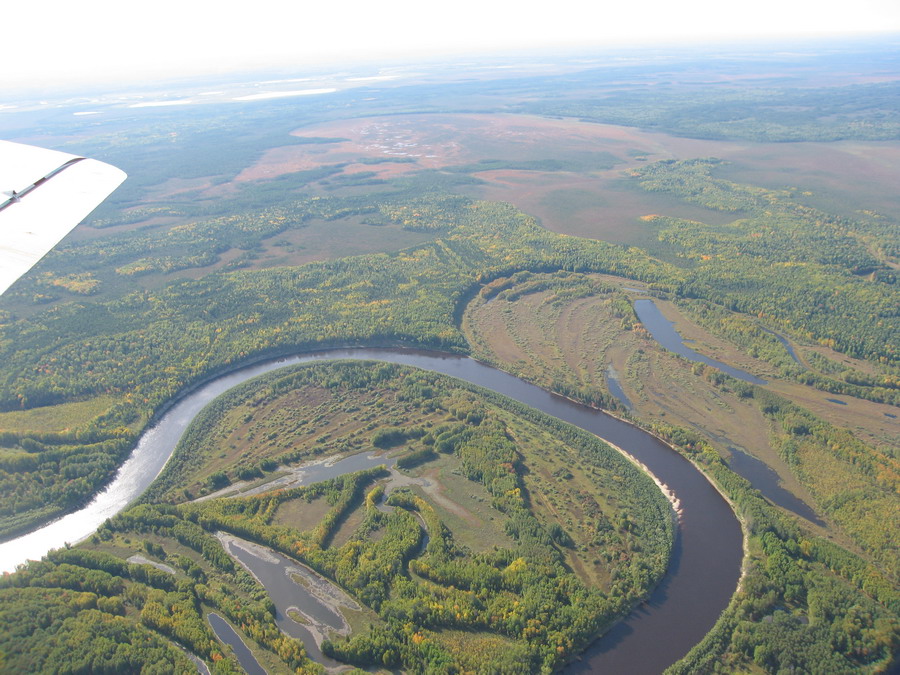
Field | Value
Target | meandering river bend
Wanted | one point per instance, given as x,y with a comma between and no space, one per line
706,558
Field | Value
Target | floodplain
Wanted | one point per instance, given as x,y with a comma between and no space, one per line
516,220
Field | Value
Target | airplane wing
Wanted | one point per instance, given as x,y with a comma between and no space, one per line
43,195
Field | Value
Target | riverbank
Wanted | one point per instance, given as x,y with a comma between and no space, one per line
706,557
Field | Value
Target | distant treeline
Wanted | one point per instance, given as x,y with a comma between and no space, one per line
862,112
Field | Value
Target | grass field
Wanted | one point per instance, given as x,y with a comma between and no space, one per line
57,418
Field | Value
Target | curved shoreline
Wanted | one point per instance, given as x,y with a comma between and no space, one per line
707,554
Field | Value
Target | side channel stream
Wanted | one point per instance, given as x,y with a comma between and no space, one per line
226,633
298,590
706,559
760,475
663,331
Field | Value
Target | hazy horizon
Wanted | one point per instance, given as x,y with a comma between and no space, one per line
91,43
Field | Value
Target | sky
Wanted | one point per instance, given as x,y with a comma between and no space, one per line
60,42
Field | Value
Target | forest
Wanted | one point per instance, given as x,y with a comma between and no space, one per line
202,326
774,113
173,283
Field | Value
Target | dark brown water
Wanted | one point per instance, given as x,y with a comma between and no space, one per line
764,479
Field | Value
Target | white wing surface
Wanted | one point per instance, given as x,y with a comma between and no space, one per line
43,195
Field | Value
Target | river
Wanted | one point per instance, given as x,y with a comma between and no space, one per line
761,475
706,558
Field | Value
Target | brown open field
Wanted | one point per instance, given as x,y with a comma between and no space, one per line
845,177
570,174
588,197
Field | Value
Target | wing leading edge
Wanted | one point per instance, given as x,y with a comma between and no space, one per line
44,194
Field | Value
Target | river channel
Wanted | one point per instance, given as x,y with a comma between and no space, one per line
706,559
